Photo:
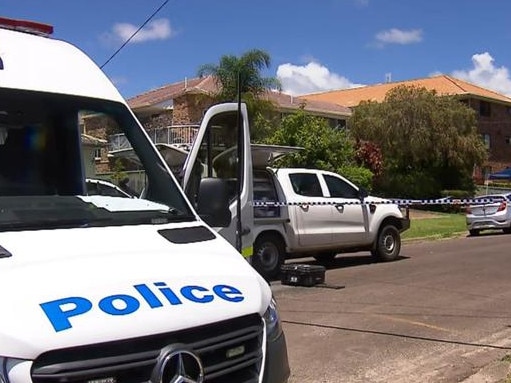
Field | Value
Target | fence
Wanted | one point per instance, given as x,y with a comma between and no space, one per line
175,134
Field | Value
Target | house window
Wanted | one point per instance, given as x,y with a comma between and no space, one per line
337,123
487,140
97,153
484,109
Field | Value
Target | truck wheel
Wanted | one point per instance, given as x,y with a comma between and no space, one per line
474,232
269,255
388,244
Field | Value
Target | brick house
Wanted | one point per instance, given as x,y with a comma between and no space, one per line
172,114
180,106
493,111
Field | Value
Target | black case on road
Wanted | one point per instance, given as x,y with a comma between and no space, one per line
302,275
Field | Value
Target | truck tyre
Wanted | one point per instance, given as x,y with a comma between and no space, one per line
269,255
388,244
474,232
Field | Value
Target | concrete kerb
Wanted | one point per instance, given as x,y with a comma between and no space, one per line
495,372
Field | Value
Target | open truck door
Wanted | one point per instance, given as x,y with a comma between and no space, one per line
214,154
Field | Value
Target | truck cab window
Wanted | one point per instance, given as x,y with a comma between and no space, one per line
306,184
339,188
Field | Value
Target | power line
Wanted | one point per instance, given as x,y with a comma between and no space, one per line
134,33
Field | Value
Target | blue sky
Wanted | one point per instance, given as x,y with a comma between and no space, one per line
314,45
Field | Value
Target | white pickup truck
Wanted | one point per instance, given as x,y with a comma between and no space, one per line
329,214
319,213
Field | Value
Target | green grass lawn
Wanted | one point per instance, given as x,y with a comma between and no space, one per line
444,226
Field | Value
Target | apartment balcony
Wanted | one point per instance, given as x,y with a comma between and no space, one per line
182,135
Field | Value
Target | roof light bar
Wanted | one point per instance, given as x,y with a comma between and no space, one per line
26,26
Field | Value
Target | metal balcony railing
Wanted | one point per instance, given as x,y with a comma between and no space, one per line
175,134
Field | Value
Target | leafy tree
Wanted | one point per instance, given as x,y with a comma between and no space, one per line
247,69
429,143
323,147
370,156
118,171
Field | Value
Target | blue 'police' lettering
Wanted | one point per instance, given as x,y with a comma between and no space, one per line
188,293
59,317
60,311
229,293
168,293
107,304
151,298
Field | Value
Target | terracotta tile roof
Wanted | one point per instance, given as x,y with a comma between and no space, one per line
443,84
171,91
209,85
287,102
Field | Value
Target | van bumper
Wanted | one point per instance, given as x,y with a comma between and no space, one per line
276,364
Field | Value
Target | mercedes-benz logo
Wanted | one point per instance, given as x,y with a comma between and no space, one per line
178,365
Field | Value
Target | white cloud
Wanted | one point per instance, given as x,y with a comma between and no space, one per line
310,78
158,29
486,74
398,36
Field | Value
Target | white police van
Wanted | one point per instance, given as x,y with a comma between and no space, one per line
104,289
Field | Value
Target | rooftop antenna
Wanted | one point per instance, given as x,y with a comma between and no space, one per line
388,77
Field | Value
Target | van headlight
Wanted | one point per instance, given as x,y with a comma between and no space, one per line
272,321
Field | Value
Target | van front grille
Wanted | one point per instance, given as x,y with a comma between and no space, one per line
230,351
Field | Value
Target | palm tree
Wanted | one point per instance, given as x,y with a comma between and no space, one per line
247,68
244,71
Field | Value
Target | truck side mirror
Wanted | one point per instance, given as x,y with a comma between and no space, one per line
213,202
362,193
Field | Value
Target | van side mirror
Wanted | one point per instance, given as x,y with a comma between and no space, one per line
213,202
362,193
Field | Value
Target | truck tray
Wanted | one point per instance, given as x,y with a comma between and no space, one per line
302,275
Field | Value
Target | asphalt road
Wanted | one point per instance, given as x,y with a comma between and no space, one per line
438,314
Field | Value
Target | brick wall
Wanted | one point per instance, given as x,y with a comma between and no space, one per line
498,126
156,121
189,108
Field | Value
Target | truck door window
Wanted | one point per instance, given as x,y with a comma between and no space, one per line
339,188
217,157
306,184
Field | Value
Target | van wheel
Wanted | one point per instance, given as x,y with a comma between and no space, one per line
388,244
269,255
